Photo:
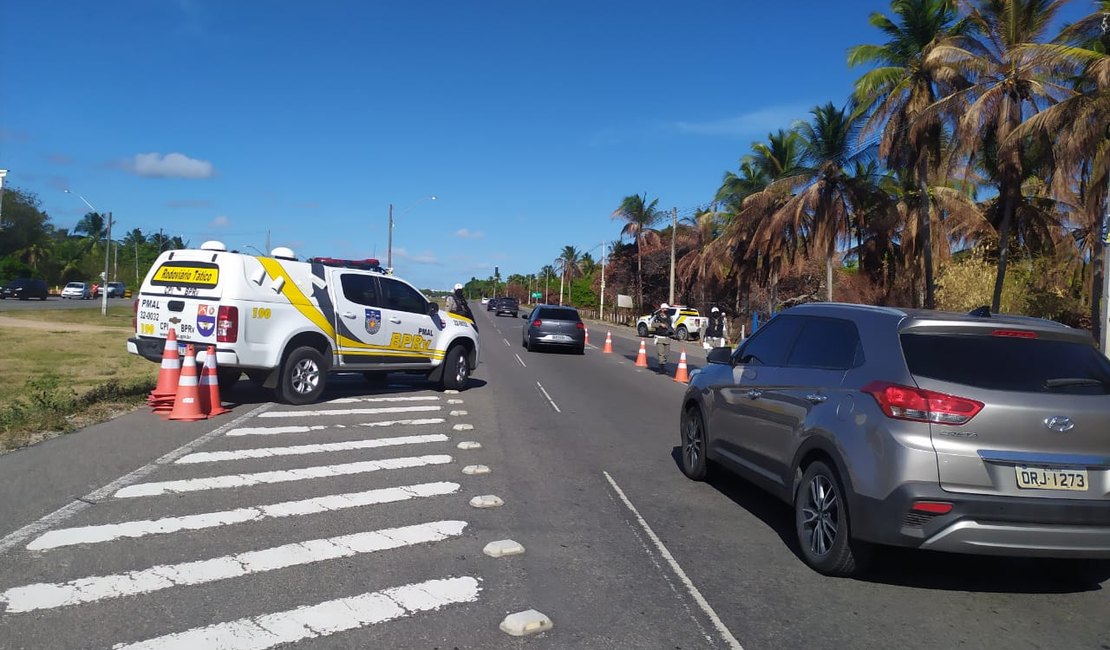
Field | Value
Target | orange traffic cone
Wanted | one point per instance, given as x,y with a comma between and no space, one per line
186,404
641,357
210,401
680,375
587,335
161,398
608,349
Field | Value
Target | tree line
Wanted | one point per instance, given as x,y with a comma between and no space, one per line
968,167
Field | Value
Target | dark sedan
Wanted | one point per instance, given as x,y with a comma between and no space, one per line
554,326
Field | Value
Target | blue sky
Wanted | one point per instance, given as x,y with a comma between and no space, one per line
529,120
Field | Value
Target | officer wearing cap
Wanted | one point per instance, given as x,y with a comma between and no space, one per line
715,330
456,303
663,329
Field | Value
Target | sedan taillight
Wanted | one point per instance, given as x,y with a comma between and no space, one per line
919,405
579,325
227,324
537,323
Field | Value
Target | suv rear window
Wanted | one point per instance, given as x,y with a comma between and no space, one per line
1003,363
555,313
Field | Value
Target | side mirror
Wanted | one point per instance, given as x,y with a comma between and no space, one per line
433,308
524,316
719,355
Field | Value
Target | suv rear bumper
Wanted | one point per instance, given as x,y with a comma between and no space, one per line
152,349
986,524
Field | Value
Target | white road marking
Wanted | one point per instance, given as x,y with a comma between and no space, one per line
315,621
370,411
407,398
527,622
726,635
280,476
458,413
472,470
507,343
503,548
51,520
519,360
487,501
267,431
469,444
553,404
267,452
86,590
166,525
463,427
454,401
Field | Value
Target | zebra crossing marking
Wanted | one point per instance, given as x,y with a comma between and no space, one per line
296,450
281,476
369,411
267,431
38,596
166,525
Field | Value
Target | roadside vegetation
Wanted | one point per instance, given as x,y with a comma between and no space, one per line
968,166
67,369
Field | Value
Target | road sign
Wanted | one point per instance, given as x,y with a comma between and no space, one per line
537,294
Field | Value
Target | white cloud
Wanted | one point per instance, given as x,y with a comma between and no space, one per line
171,165
425,257
468,234
220,222
758,122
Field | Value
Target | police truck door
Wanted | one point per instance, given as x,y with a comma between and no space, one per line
360,334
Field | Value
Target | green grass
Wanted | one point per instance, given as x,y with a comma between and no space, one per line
57,379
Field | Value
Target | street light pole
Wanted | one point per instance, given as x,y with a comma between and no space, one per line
389,245
601,311
107,253
674,233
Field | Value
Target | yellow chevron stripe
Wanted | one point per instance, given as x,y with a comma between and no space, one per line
295,297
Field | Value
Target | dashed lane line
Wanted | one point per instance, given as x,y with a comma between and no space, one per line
166,525
279,476
553,404
34,597
519,360
324,619
296,450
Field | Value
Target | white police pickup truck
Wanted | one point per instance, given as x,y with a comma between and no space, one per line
687,322
286,323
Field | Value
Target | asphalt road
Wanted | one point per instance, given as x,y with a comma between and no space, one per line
253,549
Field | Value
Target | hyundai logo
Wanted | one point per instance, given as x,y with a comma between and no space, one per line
1059,423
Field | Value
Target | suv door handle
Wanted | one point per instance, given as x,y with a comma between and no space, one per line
395,320
755,394
816,399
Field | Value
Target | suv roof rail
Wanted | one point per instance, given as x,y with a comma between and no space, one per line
368,264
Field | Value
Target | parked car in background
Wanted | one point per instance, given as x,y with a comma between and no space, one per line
507,306
966,433
492,304
485,300
554,326
115,290
25,289
77,291
688,323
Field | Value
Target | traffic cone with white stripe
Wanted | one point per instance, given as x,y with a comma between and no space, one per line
641,357
587,335
161,398
681,375
608,349
186,404
210,401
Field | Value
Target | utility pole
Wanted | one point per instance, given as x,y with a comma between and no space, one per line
107,255
601,311
674,232
389,249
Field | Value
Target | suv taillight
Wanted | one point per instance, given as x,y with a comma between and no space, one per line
579,325
227,324
918,405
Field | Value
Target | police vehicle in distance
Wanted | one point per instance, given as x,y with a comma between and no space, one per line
288,323
687,322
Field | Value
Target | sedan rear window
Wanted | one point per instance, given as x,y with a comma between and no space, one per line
1007,363
556,313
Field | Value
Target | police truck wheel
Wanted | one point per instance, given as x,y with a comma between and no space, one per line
302,376
641,329
682,333
456,372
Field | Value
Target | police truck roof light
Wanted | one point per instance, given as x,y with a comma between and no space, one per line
213,245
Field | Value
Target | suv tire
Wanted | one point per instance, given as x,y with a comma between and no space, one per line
302,376
456,369
822,523
682,333
641,329
692,445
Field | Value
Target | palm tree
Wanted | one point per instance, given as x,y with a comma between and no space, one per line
547,271
1012,72
568,266
640,216
820,214
896,94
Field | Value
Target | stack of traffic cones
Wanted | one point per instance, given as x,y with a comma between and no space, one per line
641,357
681,375
210,402
161,398
608,349
186,404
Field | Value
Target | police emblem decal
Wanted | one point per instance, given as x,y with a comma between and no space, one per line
373,321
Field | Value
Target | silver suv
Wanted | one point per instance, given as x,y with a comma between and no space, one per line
971,433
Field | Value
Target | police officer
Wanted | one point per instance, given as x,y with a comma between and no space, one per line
456,302
663,329
715,330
